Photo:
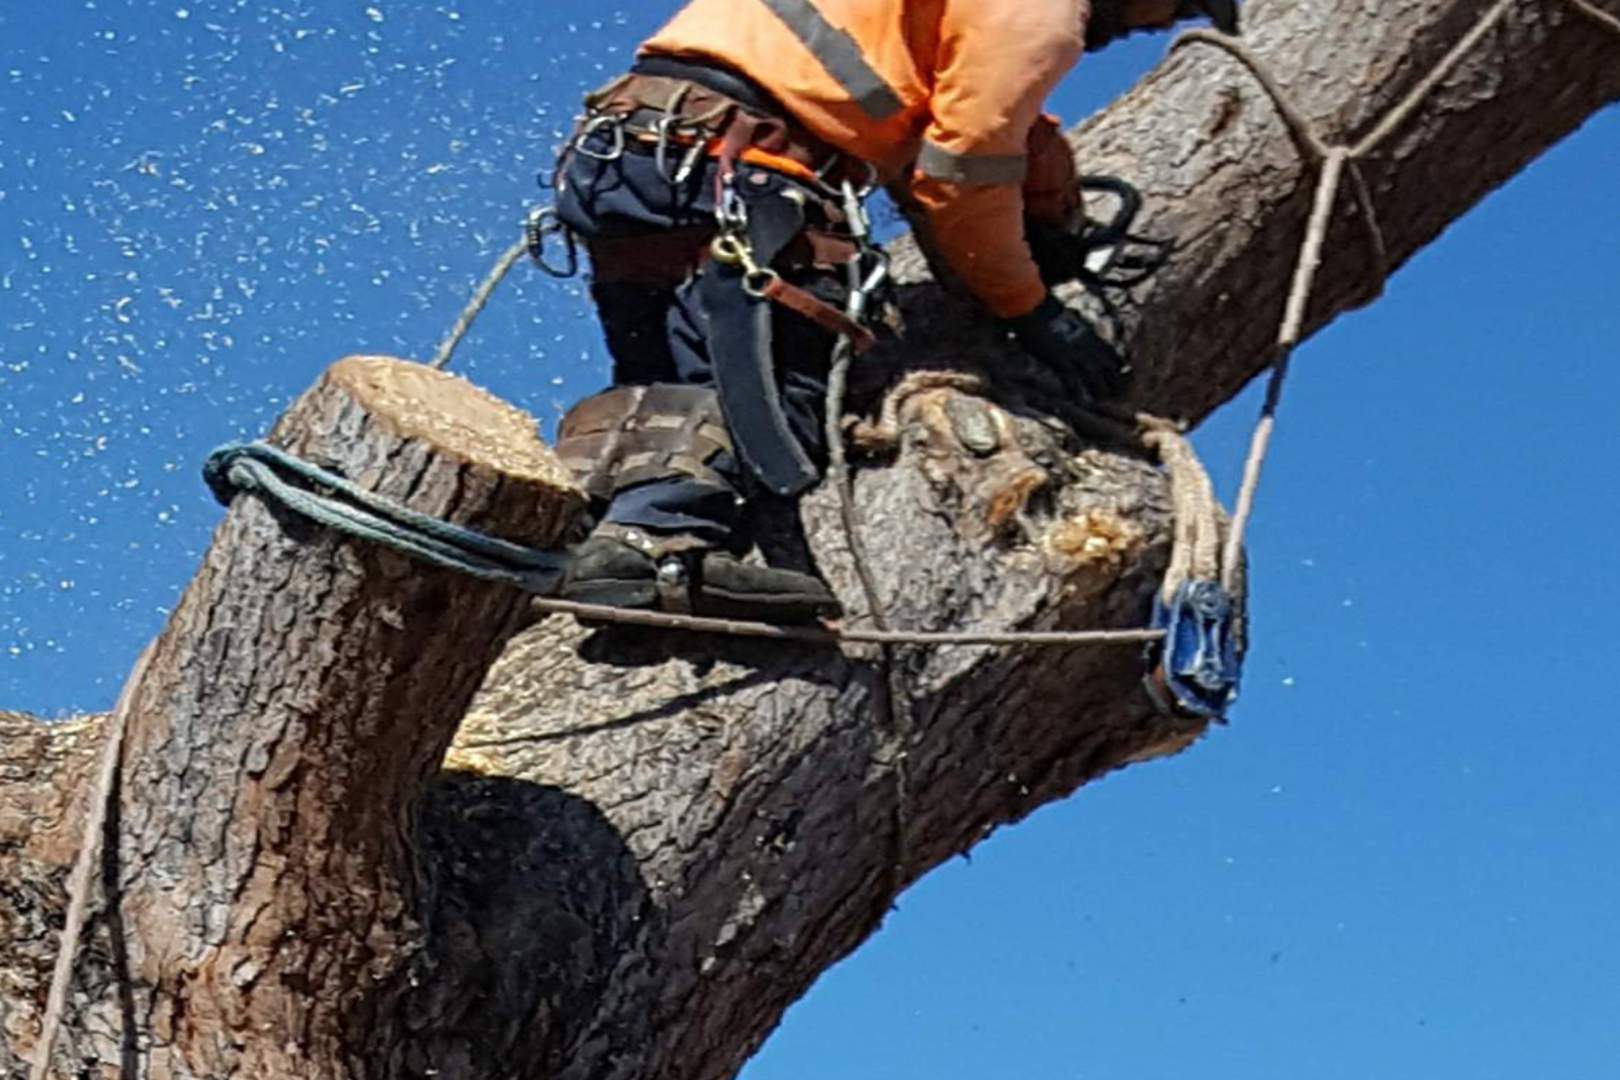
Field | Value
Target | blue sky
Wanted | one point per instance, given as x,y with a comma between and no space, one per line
1400,859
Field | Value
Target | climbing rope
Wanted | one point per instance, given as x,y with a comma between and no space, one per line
328,499
813,635
97,814
480,297
1597,15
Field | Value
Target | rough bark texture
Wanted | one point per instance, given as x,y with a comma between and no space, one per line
643,846
304,690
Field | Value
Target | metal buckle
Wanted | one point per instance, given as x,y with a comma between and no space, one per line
732,250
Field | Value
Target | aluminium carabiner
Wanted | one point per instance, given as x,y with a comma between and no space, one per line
542,223
613,122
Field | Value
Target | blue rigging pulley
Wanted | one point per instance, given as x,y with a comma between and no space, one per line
1195,669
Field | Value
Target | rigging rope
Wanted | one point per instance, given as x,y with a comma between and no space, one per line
95,824
1597,15
1332,160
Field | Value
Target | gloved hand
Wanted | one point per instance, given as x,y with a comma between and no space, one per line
1061,338
1060,254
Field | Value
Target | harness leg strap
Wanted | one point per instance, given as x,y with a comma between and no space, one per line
742,347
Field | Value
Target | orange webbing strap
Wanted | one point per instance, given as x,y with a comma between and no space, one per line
819,312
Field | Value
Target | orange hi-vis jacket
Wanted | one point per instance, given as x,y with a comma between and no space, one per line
940,94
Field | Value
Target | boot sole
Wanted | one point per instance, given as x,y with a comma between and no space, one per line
619,594
764,607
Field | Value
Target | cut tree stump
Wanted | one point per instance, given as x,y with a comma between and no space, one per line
303,691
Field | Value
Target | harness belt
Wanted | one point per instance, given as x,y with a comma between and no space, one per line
668,257
661,112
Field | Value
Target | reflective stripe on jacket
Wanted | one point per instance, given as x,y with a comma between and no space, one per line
941,93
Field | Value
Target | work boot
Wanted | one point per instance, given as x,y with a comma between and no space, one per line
625,567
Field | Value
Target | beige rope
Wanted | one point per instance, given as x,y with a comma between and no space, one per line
820,636
480,297
1597,15
1195,549
95,823
1333,161
1310,258
1302,130
1402,112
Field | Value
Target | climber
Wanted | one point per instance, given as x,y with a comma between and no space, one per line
717,189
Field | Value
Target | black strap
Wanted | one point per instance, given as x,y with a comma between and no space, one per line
711,76
740,342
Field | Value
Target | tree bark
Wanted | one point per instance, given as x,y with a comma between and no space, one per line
642,846
304,690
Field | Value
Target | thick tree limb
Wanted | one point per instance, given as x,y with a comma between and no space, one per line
644,847
741,800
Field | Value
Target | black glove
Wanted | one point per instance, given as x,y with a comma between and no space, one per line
1061,338
1060,255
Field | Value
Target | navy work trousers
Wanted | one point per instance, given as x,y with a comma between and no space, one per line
660,333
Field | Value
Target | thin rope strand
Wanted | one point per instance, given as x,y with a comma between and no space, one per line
1301,129
820,636
1400,113
838,468
95,822
1597,14
480,297
1310,258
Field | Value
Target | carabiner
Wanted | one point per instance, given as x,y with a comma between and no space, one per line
728,248
860,223
667,129
590,127
860,297
729,210
542,223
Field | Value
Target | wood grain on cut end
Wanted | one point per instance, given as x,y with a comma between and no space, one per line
461,420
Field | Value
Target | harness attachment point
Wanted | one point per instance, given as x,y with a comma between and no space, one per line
1194,670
